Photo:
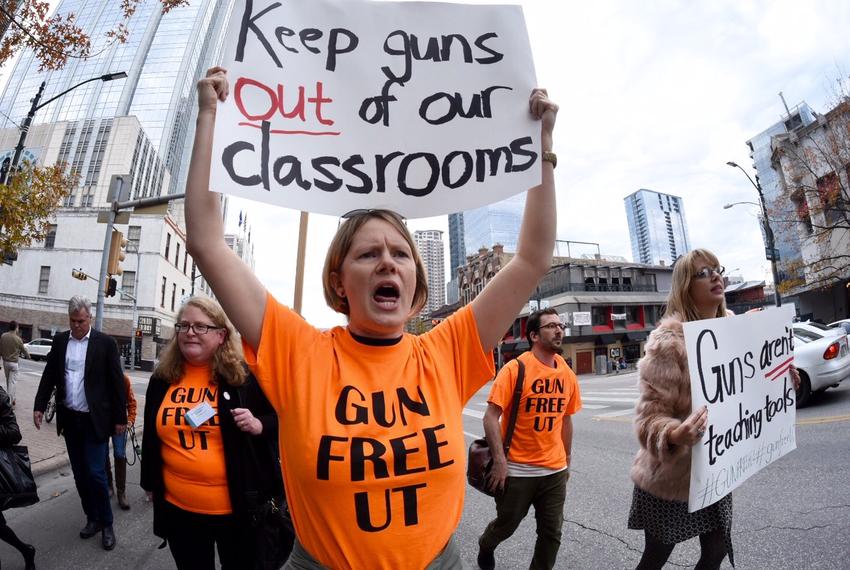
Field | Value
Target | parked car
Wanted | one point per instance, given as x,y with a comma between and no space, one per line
843,323
39,348
822,357
825,330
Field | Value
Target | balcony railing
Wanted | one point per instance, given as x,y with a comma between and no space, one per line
547,289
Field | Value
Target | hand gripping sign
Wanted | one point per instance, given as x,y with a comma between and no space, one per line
336,105
739,368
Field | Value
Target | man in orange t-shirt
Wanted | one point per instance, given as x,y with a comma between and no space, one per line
536,469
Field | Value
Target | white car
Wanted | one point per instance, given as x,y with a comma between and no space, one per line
823,359
843,323
823,330
39,348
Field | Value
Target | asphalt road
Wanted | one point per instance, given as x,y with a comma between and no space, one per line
793,514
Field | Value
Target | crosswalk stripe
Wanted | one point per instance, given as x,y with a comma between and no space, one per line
593,406
473,413
601,399
615,414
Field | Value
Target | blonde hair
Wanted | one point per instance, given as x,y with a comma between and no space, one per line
341,244
680,303
226,361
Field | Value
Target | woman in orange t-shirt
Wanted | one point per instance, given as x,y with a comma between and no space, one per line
371,430
209,448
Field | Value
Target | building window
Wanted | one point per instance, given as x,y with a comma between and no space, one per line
173,294
167,245
128,285
50,238
162,293
43,280
831,197
185,260
599,316
70,199
177,257
87,199
134,238
633,315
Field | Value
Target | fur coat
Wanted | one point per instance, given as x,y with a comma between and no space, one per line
660,468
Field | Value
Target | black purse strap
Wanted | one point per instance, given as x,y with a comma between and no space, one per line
514,406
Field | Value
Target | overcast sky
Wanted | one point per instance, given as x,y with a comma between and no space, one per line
654,95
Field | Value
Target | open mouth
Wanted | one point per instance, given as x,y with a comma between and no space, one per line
387,295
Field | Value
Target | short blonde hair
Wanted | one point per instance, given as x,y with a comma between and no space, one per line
227,361
341,244
679,302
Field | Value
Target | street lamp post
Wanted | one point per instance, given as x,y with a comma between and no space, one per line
36,105
768,231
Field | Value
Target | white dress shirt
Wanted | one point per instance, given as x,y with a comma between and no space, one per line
75,367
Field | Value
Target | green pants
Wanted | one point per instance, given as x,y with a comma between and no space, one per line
547,495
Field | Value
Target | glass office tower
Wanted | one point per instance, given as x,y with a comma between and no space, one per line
494,224
657,226
163,57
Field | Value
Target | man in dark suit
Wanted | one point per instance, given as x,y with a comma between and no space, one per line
85,369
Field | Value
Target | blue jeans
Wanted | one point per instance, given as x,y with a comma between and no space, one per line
119,446
86,453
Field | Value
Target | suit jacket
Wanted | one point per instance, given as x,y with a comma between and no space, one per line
103,381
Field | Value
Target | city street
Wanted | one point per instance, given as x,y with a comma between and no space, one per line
794,514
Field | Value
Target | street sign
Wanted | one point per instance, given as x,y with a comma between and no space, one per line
771,254
120,217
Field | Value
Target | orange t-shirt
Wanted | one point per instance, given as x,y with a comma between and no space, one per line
548,394
192,459
371,437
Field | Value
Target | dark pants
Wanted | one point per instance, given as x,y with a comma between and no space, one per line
547,495
193,539
86,453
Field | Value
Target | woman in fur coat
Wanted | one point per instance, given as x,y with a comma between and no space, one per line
667,428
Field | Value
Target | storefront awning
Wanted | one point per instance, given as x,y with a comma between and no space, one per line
605,339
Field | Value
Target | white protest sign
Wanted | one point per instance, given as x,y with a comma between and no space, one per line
337,105
739,368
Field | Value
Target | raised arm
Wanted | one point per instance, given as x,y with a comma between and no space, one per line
238,290
501,300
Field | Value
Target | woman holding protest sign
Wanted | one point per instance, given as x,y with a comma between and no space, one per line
371,432
667,429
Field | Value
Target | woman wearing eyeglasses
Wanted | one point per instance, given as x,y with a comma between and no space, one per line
210,443
667,429
371,418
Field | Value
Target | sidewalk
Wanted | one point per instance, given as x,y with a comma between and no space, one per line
46,449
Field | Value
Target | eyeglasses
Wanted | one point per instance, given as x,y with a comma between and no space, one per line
707,272
365,212
199,328
553,326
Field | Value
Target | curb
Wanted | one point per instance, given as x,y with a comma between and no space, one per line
60,460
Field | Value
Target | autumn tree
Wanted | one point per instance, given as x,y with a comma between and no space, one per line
56,39
28,201
813,163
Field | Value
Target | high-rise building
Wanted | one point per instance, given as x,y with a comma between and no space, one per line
493,224
142,126
430,246
657,227
786,238
482,228
164,56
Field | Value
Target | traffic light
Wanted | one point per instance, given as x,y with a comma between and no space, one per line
117,247
138,333
79,274
111,287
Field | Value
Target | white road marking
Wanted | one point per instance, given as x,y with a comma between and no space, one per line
473,413
593,406
601,399
615,414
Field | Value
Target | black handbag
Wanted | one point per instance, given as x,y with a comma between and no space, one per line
480,460
17,485
274,534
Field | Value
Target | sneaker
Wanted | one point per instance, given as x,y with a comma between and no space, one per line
486,560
